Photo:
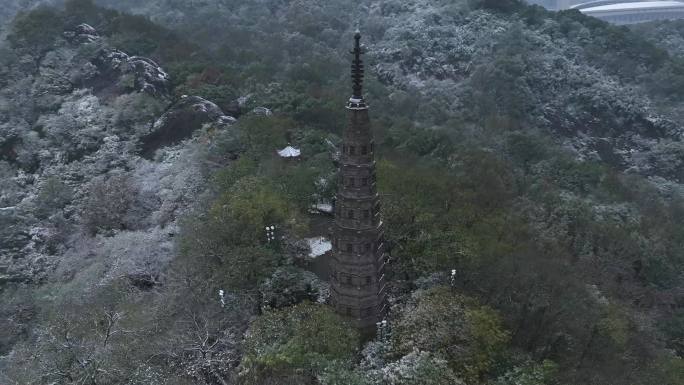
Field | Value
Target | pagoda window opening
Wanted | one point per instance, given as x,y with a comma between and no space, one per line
364,182
350,248
352,150
351,182
350,214
364,150
368,280
366,214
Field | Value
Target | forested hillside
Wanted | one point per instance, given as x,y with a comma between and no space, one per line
530,174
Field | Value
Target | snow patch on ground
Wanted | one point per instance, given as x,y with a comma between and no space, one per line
322,208
319,246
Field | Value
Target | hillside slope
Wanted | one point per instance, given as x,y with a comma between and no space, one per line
531,177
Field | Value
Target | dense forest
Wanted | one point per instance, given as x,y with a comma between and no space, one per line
531,170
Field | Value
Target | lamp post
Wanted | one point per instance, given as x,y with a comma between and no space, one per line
270,233
383,330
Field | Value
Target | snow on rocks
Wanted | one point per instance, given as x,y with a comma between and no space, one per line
262,111
117,67
82,34
225,121
149,76
182,119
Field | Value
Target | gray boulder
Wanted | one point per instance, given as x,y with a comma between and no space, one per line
116,73
82,34
262,111
181,120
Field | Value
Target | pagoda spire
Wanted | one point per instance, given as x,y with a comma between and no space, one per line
357,73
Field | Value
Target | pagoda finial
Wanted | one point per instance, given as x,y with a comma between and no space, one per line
357,70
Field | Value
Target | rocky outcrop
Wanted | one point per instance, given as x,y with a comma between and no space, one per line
262,111
115,72
81,34
179,122
149,76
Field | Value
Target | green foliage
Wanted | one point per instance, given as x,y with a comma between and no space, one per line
616,49
138,35
674,332
438,220
529,374
502,92
108,202
412,200
289,286
37,29
500,5
672,369
86,11
486,193
249,206
489,336
254,191
263,135
343,374
53,196
419,141
420,368
225,178
614,326
296,343
232,232
441,321
527,149
301,184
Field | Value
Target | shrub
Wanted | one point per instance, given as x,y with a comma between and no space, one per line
251,205
36,30
420,368
296,344
107,204
440,321
53,196
264,134
288,286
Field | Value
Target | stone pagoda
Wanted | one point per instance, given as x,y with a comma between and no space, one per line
358,258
